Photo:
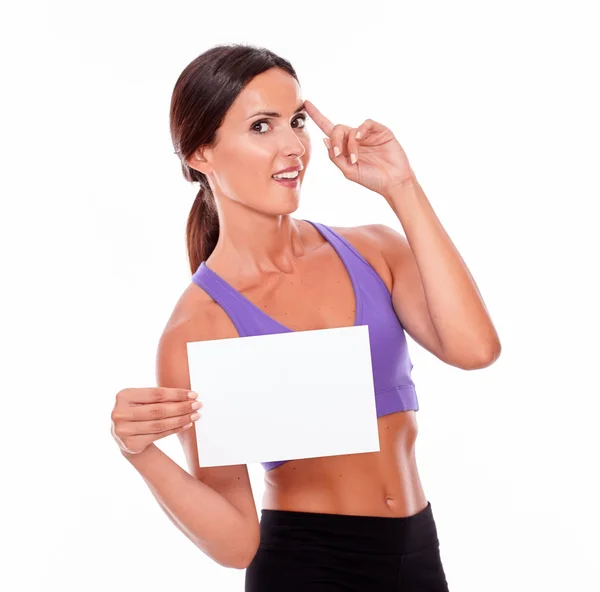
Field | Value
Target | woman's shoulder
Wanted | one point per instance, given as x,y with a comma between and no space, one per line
370,242
366,234
197,317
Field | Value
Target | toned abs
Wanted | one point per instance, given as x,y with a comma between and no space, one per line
384,483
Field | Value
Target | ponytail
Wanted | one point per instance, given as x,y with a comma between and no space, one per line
202,232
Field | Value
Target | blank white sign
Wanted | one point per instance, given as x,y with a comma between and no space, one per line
284,396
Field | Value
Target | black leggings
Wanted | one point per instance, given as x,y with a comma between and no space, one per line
311,552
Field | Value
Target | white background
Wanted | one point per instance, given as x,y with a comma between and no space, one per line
496,105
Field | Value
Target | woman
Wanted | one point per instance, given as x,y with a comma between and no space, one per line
351,522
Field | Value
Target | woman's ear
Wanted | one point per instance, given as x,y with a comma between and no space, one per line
199,160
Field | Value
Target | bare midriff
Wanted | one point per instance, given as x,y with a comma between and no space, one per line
384,483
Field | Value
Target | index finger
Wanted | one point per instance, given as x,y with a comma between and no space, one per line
324,124
159,394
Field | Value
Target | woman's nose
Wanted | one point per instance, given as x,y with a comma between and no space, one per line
293,145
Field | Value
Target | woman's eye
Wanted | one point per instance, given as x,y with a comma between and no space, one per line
301,118
258,123
266,121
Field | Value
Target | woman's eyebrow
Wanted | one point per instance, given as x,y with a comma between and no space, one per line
274,113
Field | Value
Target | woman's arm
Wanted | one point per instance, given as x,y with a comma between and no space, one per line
434,293
214,506
204,515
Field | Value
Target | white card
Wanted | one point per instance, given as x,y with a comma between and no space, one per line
284,396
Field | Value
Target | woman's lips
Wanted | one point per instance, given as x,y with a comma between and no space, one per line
288,182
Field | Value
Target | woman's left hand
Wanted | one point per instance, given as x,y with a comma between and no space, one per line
381,163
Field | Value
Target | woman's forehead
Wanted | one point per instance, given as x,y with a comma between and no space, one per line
272,91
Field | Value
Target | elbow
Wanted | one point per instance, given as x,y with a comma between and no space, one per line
233,556
244,559
252,546
245,562
241,556
493,352
238,560
475,359
484,356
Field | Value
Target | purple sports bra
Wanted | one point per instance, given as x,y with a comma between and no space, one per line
394,388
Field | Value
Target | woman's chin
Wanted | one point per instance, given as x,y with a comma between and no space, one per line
286,205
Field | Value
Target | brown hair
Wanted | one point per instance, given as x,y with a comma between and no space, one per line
203,93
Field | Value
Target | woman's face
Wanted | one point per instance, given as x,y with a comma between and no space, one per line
251,147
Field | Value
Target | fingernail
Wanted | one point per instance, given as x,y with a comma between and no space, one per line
192,395
336,151
358,134
353,158
327,143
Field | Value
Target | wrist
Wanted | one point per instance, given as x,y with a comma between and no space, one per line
137,457
399,189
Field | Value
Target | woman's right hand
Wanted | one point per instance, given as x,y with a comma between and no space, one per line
142,415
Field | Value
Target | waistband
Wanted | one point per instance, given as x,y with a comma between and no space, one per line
284,529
